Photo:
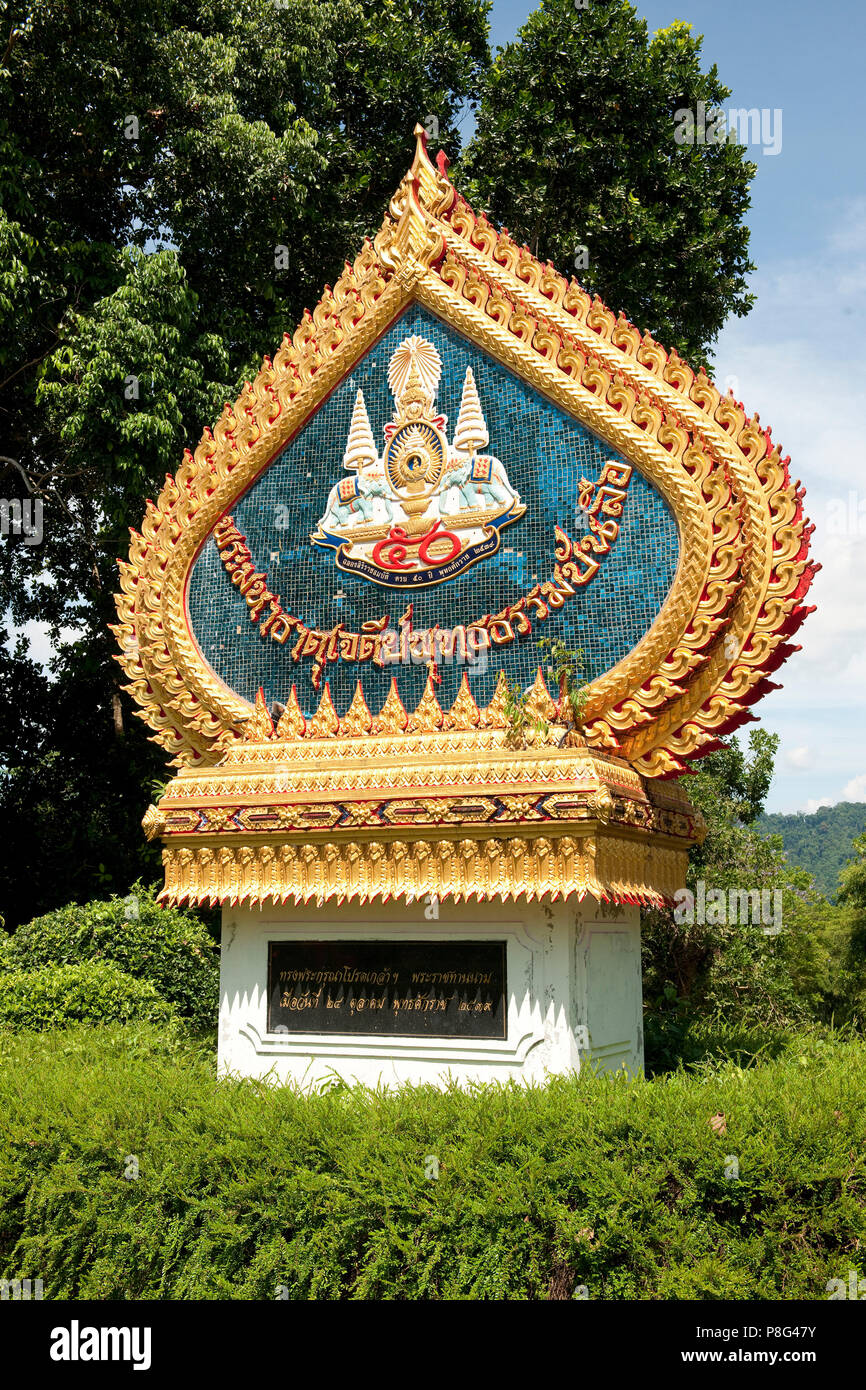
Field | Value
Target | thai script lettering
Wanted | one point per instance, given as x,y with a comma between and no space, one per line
577,562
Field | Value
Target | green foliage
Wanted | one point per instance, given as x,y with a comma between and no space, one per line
744,780
167,948
567,672
852,894
575,148
16,288
91,992
821,841
168,208
71,786
521,723
244,1191
117,393
698,973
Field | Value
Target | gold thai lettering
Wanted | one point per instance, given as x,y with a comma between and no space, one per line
571,569
420,644
585,490
534,597
499,627
450,642
370,645
603,535
616,473
238,562
349,643
477,641
609,500
517,617
576,564
553,595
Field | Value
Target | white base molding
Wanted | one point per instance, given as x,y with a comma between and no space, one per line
572,993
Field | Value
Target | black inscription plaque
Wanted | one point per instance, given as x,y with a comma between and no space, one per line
441,989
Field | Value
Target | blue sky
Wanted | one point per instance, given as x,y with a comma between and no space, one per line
799,358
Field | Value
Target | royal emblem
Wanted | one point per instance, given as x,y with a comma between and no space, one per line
423,509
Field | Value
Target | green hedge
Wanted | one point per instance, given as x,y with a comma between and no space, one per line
129,1171
169,948
94,992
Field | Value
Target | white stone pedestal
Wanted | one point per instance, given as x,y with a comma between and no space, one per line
573,993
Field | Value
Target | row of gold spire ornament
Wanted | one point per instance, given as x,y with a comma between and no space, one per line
471,433
393,718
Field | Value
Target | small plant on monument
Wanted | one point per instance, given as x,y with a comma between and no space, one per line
158,789
523,726
566,670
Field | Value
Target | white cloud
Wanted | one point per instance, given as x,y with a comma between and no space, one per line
799,757
855,790
800,359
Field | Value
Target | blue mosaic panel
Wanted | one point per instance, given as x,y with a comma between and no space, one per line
544,452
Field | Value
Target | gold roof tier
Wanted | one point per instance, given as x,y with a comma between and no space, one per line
446,812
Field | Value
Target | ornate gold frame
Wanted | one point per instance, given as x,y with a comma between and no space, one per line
307,809
744,568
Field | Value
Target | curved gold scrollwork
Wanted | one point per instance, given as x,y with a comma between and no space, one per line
737,596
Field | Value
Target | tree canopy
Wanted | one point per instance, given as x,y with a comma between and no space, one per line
819,840
576,153
177,183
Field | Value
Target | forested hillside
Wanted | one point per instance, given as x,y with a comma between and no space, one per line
820,842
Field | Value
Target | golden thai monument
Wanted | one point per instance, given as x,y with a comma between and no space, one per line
430,855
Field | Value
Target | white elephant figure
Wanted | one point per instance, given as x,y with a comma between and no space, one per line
355,498
485,474
460,477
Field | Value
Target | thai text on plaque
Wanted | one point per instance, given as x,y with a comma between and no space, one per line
445,989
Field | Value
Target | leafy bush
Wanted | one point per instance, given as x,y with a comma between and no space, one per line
852,894
244,1191
168,947
791,968
92,992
